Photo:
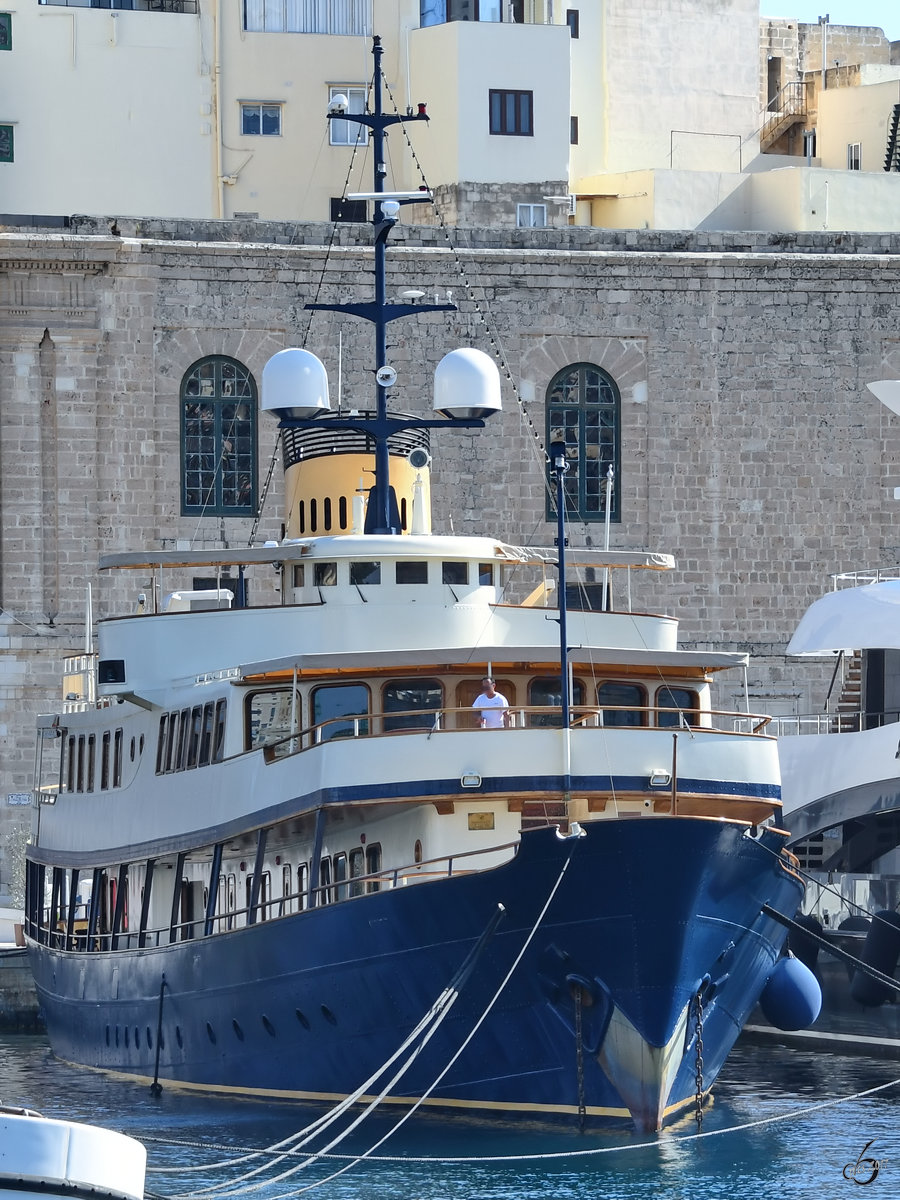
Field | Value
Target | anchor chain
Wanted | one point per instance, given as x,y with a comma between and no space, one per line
698,1061
579,1055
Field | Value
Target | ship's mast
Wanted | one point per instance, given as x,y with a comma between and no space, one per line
381,515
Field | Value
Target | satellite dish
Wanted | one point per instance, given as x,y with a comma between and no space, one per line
386,376
888,392
418,458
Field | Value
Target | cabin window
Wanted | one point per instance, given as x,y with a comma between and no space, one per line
298,575
673,703
226,900
547,692
91,760
288,902
357,870
583,411
486,574
79,784
117,758
104,761
70,766
302,886
622,696
194,736
218,439
325,881
218,751
206,735
340,877
340,710
262,900
414,700
325,574
365,572
161,744
184,725
373,865
271,717
412,572
455,572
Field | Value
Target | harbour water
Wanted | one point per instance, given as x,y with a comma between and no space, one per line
766,1133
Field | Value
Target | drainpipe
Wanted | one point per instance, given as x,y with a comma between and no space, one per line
823,21
217,104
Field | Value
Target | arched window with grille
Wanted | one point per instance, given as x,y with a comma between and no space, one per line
218,439
584,411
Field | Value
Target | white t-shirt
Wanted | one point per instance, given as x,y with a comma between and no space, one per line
492,707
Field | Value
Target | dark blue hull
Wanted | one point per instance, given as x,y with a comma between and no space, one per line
648,913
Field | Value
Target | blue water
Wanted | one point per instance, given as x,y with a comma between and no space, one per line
803,1155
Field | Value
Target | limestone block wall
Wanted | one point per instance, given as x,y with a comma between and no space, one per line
751,449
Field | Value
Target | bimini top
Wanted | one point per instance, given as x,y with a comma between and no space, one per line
859,618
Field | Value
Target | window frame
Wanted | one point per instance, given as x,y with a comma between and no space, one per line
202,444
7,150
354,134
6,22
581,480
499,122
523,210
854,156
276,106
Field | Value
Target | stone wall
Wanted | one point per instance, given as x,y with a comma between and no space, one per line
751,449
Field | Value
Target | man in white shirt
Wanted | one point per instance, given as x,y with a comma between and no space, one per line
491,705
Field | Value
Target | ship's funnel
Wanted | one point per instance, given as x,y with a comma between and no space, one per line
467,384
328,474
295,385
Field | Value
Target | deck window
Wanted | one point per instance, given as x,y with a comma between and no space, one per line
619,696
412,572
486,574
325,574
365,573
341,710
417,699
455,572
548,692
681,701
340,877
357,870
272,716
373,865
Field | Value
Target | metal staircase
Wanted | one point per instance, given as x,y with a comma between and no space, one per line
784,110
892,157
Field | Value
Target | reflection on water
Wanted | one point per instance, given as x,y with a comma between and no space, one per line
803,1156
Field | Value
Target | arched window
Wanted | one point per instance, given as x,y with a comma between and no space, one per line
583,410
218,439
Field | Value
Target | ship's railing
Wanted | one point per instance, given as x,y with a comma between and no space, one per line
866,575
54,931
519,717
850,721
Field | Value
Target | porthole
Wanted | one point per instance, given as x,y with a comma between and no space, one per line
141,744
133,749
417,851
210,1033
268,1026
329,1015
178,1037
107,1035
304,1021
149,1039
137,1038
127,1032
117,1037
238,1032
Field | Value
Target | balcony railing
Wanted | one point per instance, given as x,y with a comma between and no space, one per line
169,6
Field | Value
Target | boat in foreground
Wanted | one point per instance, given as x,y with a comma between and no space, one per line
841,788
275,852
63,1159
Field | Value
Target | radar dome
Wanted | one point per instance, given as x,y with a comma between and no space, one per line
467,384
295,385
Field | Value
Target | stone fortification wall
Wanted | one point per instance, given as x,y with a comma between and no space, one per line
751,449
